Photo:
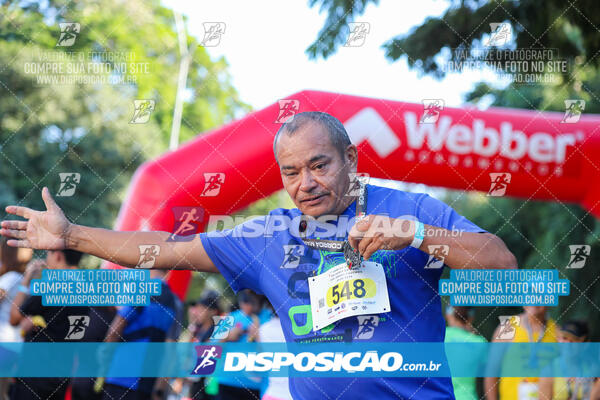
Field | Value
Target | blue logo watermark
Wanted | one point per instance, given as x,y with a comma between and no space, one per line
504,287
99,287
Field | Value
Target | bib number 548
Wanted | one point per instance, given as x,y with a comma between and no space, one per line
347,290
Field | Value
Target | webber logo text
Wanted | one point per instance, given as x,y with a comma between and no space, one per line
486,141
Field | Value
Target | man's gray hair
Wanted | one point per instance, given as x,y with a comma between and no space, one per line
337,133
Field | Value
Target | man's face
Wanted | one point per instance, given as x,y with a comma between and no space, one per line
313,172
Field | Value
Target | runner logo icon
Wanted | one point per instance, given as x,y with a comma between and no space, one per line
287,109
431,110
222,327
499,183
68,33
366,326
292,254
148,254
212,183
438,253
579,255
77,326
206,363
68,183
508,324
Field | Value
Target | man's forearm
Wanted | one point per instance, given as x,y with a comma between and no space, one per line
468,249
123,248
119,247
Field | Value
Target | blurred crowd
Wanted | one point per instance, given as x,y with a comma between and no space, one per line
213,318
531,326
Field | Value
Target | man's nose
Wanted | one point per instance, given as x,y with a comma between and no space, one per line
307,183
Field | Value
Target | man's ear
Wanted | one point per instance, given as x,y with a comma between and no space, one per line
351,155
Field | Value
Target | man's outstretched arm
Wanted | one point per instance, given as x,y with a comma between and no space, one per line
50,230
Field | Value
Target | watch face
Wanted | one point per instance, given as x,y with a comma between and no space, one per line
353,258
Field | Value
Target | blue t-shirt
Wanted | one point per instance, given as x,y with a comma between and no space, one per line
259,262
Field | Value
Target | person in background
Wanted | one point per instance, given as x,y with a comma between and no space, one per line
200,328
531,326
200,318
46,324
596,390
271,332
460,329
100,319
560,388
245,329
265,312
162,386
12,265
150,323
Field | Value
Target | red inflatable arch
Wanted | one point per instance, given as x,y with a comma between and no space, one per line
547,155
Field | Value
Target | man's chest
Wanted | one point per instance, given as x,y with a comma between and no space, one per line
289,290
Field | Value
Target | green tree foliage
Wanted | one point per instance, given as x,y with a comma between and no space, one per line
48,128
565,27
538,233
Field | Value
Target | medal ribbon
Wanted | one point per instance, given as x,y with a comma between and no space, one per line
353,258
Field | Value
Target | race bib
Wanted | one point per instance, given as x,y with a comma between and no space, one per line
342,292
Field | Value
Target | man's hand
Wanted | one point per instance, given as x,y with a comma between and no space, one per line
378,232
44,230
463,249
50,230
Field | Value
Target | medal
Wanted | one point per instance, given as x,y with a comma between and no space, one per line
353,257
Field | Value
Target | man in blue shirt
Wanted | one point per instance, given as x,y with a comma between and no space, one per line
399,232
